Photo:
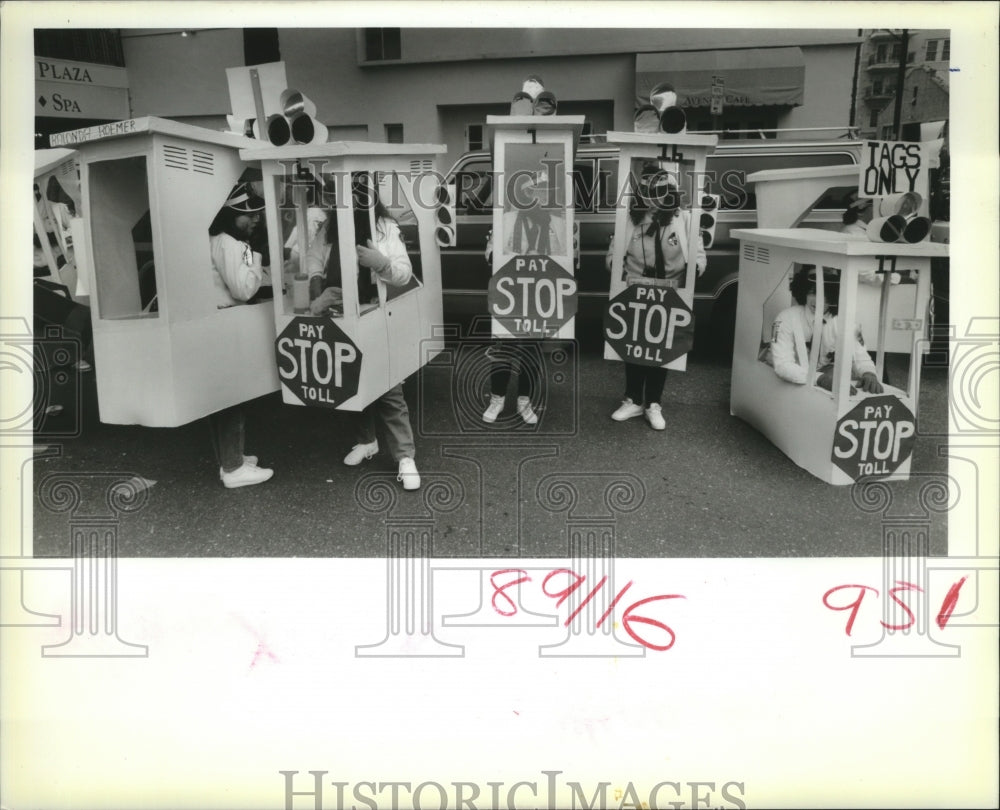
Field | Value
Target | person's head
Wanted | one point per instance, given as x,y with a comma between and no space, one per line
656,195
803,288
240,215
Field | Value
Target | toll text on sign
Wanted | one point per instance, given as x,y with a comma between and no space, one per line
889,168
874,438
649,325
318,362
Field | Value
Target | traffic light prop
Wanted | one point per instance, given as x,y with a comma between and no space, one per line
576,243
663,97
646,119
709,216
444,230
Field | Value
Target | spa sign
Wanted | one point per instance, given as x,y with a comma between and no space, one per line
317,362
532,296
874,438
648,325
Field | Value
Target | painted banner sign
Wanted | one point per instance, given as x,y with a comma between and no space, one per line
891,167
317,362
532,296
648,325
874,438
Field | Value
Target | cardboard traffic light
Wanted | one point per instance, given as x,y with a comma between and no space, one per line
444,229
709,217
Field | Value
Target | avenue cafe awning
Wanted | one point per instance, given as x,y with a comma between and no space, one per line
757,77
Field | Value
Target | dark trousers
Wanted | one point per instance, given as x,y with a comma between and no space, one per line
644,384
509,356
227,428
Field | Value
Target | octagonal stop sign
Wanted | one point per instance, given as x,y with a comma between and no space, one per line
874,438
649,325
532,296
317,362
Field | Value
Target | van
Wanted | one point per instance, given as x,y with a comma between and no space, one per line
465,272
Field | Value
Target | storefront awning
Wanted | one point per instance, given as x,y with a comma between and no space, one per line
758,77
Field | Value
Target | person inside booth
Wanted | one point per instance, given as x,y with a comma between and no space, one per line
238,275
792,336
383,257
656,254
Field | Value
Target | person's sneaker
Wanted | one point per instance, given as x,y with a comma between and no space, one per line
493,410
360,452
245,476
408,474
655,417
627,410
250,461
527,414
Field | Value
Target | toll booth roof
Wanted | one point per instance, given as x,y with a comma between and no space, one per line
806,173
833,242
537,123
680,139
148,125
47,159
333,149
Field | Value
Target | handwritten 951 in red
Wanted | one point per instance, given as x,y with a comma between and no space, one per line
835,600
567,582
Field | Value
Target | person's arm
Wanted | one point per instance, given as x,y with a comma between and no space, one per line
386,256
783,352
864,368
239,266
316,257
611,253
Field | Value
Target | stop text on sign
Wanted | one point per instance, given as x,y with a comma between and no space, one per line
648,324
532,296
874,438
314,362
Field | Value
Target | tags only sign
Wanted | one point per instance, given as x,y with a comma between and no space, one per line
317,362
532,296
651,326
874,438
891,167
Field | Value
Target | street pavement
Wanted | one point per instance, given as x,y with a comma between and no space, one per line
708,486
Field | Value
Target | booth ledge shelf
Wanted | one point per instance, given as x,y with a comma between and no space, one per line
679,139
833,242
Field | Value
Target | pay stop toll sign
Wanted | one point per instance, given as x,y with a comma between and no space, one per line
317,362
651,326
874,438
532,296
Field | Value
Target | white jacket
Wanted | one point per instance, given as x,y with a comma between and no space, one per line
387,240
236,270
793,331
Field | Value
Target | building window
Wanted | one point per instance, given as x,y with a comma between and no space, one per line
888,133
393,133
913,100
932,50
473,137
880,54
382,44
873,118
877,87
946,50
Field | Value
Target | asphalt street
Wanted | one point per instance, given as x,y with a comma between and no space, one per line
708,486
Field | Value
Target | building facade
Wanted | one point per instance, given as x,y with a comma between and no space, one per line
438,85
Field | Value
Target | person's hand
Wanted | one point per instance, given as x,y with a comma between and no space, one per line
330,297
371,258
870,383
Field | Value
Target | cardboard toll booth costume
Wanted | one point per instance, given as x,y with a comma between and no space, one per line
374,335
165,355
653,324
841,434
532,293
57,221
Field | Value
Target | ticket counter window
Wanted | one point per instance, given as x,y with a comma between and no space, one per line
122,238
534,219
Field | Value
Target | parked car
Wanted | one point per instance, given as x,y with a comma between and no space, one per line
466,272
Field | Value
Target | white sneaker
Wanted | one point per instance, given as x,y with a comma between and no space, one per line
360,452
627,410
249,461
493,410
245,476
655,417
527,414
408,474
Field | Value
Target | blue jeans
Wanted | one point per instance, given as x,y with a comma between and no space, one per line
395,417
227,428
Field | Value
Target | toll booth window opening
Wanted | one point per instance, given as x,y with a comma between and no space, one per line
124,260
394,196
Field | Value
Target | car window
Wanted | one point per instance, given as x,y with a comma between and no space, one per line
474,188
